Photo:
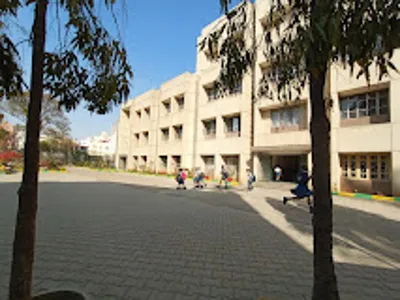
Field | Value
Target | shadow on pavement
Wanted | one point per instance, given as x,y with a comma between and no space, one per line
120,241
371,232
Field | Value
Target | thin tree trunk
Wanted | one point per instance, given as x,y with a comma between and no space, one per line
325,284
24,239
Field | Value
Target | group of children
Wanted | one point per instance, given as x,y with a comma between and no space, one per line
199,179
301,191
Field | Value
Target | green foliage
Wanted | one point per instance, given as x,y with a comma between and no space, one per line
228,45
314,34
91,67
11,81
53,119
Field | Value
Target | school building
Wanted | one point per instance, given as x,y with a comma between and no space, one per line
185,123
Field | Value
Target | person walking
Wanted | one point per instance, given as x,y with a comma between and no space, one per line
199,179
278,173
180,179
251,178
224,177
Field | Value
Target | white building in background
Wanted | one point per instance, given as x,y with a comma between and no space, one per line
103,145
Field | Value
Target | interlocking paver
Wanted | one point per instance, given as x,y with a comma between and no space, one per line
147,241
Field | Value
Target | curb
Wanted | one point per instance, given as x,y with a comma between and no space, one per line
367,196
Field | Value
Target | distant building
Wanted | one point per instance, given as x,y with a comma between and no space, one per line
103,145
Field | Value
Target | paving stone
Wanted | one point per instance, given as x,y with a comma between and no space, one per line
115,241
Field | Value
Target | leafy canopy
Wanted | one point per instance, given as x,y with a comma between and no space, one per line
303,37
53,119
91,67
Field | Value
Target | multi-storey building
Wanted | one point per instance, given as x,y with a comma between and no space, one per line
192,126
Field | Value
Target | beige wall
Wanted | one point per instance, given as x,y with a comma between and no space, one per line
182,86
367,138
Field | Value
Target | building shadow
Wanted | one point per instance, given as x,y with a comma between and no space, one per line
123,241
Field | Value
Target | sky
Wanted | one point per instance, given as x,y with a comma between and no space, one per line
160,38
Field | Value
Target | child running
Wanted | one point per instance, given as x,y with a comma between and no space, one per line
301,191
224,177
181,178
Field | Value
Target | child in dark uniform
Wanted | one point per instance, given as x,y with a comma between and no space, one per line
301,191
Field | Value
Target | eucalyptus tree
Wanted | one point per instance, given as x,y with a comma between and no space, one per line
312,35
88,66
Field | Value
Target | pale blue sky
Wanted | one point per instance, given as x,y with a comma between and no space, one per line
160,37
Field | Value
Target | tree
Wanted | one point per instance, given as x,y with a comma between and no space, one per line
52,118
312,35
90,66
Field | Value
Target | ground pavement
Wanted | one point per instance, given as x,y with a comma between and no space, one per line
125,236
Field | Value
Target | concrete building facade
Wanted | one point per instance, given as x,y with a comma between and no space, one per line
216,131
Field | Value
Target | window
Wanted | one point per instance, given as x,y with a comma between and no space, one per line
363,166
232,125
366,166
165,134
139,114
384,167
148,111
163,162
137,137
286,117
167,106
365,105
178,132
181,102
353,166
345,166
374,167
210,127
146,137
212,93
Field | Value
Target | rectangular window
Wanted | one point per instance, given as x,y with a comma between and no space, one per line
212,93
232,125
178,132
167,106
210,127
165,134
384,167
286,117
363,166
146,137
374,166
181,102
275,116
147,111
365,105
139,114
353,166
345,166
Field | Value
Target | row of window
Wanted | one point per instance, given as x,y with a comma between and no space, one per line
364,105
214,94
167,105
286,117
180,101
232,126
366,166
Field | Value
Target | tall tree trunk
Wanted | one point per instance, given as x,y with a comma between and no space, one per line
24,239
325,284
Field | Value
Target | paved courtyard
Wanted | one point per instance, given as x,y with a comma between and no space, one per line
124,236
